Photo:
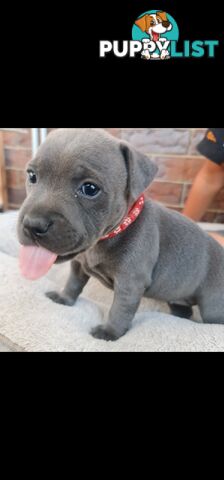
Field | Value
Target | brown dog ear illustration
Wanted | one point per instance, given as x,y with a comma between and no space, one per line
142,23
163,16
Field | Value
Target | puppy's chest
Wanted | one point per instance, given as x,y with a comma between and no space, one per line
95,266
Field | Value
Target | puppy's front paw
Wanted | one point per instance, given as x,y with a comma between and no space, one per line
102,333
145,55
60,298
164,54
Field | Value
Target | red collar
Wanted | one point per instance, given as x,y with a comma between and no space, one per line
129,219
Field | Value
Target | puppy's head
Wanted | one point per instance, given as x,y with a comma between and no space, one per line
80,185
154,24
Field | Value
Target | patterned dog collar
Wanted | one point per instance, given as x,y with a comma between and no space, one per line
129,219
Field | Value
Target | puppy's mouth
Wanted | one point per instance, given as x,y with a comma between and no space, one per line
69,256
155,36
35,261
38,253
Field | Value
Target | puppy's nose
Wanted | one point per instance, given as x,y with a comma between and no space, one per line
166,23
37,226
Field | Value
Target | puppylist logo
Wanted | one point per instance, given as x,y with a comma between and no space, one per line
155,36
155,30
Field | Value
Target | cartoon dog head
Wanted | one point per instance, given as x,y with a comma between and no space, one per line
154,24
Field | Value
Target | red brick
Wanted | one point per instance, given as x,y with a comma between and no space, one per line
179,169
176,209
218,203
174,150
17,157
17,139
219,217
209,217
16,196
167,193
113,131
15,178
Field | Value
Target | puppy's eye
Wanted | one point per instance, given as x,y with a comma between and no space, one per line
89,190
32,177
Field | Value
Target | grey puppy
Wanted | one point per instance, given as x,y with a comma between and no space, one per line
81,184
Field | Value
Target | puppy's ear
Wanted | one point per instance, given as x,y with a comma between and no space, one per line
142,23
163,16
140,169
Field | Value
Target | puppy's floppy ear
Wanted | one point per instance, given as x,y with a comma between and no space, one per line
163,17
142,23
140,169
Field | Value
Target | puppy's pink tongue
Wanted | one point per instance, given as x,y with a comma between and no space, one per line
35,262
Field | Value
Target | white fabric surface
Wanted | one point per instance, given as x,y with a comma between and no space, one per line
30,320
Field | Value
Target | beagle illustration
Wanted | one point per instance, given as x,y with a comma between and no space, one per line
154,25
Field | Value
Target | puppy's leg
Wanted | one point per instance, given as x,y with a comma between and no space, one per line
145,55
145,52
212,306
124,308
164,54
74,286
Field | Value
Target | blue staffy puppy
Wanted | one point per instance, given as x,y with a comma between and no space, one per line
85,204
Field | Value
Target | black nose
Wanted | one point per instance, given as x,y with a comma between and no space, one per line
37,226
166,23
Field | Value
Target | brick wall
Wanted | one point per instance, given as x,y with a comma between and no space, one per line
173,149
17,150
